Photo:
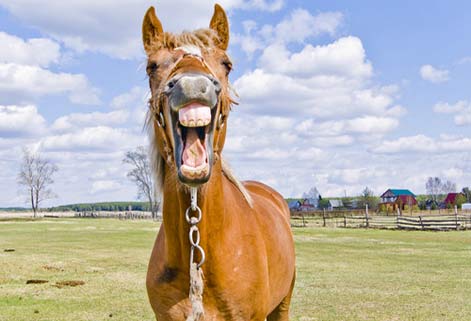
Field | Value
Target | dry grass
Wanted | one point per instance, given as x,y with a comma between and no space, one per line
343,274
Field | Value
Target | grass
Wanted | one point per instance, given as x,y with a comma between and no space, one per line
343,274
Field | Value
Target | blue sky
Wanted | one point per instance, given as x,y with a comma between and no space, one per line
334,94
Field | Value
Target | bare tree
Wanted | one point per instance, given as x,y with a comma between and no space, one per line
433,187
448,187
36,175
141,175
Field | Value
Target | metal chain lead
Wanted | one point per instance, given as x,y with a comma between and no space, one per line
194,234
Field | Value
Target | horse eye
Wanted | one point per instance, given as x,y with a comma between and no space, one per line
228,65
151,67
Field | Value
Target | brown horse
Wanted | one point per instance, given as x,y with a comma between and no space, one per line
249,270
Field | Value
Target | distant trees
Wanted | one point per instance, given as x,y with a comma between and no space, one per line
367,197
435,186
313,193
36,176
141,175
467,193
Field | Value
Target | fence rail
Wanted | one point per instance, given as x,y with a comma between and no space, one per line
421,222
128,215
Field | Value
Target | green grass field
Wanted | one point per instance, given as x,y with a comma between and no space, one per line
343,274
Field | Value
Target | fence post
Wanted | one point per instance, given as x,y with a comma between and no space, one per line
345,221
421,222
304,222
366,216
456,217
323,216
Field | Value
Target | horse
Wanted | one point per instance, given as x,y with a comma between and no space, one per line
244,235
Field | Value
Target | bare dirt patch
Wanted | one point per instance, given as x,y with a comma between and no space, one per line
73,283
36,281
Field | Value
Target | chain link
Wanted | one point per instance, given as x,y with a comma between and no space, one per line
194,234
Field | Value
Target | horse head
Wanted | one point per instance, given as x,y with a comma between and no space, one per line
190,102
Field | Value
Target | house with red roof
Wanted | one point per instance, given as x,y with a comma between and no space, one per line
397,198
451,198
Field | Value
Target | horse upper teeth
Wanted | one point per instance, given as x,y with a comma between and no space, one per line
199,122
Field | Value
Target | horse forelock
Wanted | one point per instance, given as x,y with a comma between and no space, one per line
201,38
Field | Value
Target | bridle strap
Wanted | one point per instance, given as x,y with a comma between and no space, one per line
156,105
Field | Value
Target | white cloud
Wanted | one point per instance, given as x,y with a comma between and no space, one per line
461,111
302,25
36,51
343,58
323,81
424,144
113,28
298,27
137,96
104,186
434,75
99,138
20,121
22,82
81,120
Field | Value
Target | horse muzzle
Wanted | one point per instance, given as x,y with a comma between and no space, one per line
193,100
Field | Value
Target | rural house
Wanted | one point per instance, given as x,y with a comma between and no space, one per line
451,198
397,198
335,204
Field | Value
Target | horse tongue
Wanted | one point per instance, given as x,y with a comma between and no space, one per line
194,153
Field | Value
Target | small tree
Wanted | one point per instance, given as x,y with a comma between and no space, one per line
467,193
367,197
141,175
36,175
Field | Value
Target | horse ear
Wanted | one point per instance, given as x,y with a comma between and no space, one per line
220,24
151,28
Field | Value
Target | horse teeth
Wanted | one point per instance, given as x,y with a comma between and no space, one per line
191,123
200,123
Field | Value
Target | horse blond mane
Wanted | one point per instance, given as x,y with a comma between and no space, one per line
202,38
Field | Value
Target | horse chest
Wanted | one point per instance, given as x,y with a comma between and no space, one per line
223,298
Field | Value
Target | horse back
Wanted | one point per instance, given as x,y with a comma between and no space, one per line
268,194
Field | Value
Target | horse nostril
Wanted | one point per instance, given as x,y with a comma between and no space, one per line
171,84
217,85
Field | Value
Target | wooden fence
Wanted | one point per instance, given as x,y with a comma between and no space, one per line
421,222
132,215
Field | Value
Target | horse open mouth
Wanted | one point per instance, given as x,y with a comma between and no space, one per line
194,143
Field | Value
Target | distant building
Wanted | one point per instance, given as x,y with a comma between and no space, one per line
450,199
335,204
309,204
294,205
397,198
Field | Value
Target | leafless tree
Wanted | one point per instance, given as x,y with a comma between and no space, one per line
36,175
433,187
448,187
141,175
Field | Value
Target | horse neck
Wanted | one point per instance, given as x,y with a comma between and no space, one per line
176,200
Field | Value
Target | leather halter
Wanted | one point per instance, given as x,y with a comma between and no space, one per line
159,117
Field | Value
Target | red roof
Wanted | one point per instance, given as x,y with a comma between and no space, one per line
451,198
406,199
